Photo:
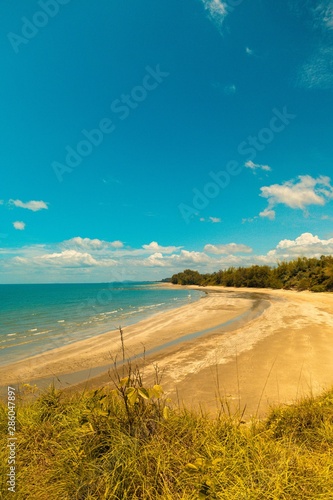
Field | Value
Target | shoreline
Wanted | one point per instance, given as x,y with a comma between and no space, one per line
76,333
190,319
252,347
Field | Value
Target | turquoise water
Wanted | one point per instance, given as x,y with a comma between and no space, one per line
37,318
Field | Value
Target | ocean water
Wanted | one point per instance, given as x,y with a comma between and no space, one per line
37,318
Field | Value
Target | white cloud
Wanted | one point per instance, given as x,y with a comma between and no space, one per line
111,180
304,239
323,14
256,166
155,260
249,219
20,260
217,10
155,247
297,194
248,51
20,226
56,263
328,18
230,248
117,244
86,242
306,244
270,214
191,257
317,72
213,220
69,258
183,259
72,258
30,205
92,244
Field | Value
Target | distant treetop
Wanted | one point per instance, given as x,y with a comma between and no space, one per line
314,274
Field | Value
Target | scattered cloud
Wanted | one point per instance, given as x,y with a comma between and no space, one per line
92,244
53,261
304,239
269,214
111,180
328,17
230,248
184,258
323,15
187,257
297,193
306,244
249,219
19,225
117,244
256,166
33,205
155,260
217,10
69,258
155,247
215,220
249,51
317,71
86,243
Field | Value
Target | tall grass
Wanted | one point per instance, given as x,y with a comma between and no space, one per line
88,445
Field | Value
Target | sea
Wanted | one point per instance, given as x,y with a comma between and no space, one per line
41,317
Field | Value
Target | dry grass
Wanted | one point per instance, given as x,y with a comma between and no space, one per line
91,446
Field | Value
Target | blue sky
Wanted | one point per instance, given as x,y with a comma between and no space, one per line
142,138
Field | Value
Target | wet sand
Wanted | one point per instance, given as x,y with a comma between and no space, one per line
155,333
249,347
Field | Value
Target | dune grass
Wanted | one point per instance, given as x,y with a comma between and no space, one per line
126,443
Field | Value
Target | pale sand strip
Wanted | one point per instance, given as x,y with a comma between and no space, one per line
282,355
276,356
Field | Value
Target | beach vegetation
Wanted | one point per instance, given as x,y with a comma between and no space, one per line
88,445
314,274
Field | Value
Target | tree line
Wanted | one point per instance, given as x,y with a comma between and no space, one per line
314,274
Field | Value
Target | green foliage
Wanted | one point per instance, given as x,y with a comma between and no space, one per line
187,277
299,274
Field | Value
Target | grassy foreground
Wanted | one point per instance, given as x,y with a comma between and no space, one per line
127,444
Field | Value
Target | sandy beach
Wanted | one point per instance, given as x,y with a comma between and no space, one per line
250,347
